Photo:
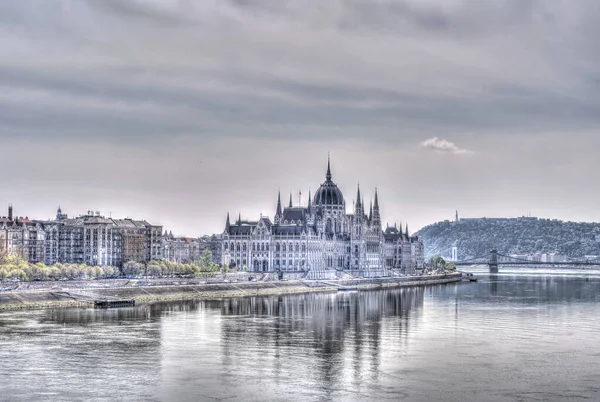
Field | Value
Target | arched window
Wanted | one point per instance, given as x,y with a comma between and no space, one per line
267,247
284,247
304,248
244,247
262,247
290,263
277,247
297,247
253,246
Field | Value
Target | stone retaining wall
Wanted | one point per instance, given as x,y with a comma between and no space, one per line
36,299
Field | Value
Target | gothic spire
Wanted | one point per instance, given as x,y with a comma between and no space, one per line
357,206
406,232
227,223
290,199
376,216
278,212
309,202
362,206
371,210
239,222
328,175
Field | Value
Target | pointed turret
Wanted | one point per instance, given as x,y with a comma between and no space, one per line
371,211
290,200
278,213
239,222
376,216
328,174
357,206
362,205
406,232
227,224
309,203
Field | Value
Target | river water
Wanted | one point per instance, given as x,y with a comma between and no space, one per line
525,335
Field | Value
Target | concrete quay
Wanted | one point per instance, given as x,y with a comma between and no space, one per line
82,293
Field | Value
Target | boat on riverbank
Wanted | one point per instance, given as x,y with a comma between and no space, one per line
469,277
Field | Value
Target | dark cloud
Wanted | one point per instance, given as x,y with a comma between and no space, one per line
258,84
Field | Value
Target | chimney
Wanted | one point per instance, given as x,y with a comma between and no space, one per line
10,212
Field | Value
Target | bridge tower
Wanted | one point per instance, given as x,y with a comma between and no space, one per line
493,264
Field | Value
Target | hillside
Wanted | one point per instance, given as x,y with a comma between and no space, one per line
476,237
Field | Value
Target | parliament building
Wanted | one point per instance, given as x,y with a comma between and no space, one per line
322,240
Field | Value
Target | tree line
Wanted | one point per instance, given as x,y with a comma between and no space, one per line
476,237
15,267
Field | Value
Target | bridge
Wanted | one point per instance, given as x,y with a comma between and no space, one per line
495,259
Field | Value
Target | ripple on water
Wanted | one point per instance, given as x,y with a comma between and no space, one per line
504,338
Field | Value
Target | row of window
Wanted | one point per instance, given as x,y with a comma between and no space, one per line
265,247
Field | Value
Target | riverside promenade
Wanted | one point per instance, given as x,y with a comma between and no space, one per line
82,293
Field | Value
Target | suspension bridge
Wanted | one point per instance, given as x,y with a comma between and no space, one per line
494,260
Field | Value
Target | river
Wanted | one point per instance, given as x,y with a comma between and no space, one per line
520,335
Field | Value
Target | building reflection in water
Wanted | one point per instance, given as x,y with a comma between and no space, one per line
330,336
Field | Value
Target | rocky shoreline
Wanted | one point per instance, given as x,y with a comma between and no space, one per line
65,296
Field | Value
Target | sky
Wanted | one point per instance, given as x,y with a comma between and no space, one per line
178,112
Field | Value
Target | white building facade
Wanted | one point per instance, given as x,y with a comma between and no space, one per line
322,240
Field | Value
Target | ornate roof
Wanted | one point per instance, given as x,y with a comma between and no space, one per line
328,193
293,215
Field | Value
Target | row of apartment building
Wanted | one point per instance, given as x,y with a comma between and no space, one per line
93,239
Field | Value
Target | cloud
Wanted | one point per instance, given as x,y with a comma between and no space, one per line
284,76
443,146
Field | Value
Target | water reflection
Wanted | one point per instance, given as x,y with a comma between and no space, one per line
334,340
506,337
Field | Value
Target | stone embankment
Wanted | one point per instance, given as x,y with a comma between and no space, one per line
82,293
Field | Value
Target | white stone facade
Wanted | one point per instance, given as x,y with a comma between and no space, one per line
323,240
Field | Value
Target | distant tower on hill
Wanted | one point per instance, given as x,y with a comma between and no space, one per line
456,217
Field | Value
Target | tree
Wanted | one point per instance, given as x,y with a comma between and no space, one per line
206,263
437,261
132,268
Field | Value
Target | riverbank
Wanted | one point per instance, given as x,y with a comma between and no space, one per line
76,295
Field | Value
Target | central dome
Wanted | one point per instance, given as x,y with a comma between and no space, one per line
328,193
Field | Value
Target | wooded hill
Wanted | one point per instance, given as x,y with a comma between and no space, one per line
476,237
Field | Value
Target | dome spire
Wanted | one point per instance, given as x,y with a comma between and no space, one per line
328,175
357,205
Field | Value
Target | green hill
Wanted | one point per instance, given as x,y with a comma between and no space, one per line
476,237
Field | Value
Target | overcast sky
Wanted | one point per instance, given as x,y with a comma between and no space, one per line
179,111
